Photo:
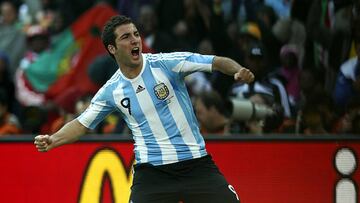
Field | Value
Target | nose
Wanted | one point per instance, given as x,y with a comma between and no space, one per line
134,39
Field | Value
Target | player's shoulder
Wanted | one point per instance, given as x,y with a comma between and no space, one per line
107,89
115,78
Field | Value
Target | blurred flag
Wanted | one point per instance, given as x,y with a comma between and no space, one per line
62,70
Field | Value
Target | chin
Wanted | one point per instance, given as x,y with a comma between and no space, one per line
135,64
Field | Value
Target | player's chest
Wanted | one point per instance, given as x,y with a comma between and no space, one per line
146,96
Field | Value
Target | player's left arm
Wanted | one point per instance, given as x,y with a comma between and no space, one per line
231,67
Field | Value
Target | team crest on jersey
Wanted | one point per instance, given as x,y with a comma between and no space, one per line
161,91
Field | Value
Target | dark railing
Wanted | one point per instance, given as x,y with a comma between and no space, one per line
245,137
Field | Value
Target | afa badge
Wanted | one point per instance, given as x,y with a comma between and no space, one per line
161,91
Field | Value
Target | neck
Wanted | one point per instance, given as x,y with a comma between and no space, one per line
130,72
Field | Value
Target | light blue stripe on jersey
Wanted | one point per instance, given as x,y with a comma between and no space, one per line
167,120
191,118
153,149
140,156
186,107
179,116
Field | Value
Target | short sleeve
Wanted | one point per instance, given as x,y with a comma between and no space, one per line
197,62
99,108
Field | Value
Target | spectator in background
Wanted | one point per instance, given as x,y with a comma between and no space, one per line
219,27
289,72
348,79
29,11
6,83
330,36
212,114
33,114
264,83
266,19
11,35
70,12
258,123
245,10
312,122
249,34
311,83
154,38
131,7
256,126
318,115
291,30
235,48
37,41
9,123
188,21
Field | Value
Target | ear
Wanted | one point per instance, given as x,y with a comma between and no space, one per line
111,49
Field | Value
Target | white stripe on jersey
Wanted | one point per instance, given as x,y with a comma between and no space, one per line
168,56
140,145
91,115
188,66
179,117
168,151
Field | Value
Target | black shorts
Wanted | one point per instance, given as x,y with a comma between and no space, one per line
192,181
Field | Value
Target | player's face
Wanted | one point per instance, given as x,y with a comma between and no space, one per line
128,46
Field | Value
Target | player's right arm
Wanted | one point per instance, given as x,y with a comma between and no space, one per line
69,133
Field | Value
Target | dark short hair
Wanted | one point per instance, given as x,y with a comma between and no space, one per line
213,99
108,34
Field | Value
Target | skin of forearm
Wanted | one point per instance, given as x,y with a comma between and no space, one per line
69,133
226,65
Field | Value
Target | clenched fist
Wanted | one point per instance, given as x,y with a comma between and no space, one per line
42,143
244,75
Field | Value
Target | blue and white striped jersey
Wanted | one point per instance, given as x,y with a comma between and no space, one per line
156,107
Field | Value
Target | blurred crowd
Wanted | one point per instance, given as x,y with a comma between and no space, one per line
304,54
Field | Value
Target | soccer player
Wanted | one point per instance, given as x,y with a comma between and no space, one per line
172,164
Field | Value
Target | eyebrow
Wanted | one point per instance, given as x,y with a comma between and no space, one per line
128,33
121,36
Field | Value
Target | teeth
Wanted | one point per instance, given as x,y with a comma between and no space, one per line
136,48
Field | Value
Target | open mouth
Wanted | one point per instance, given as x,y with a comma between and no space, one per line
135,51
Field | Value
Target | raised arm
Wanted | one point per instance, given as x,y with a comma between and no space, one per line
69,133
231,67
